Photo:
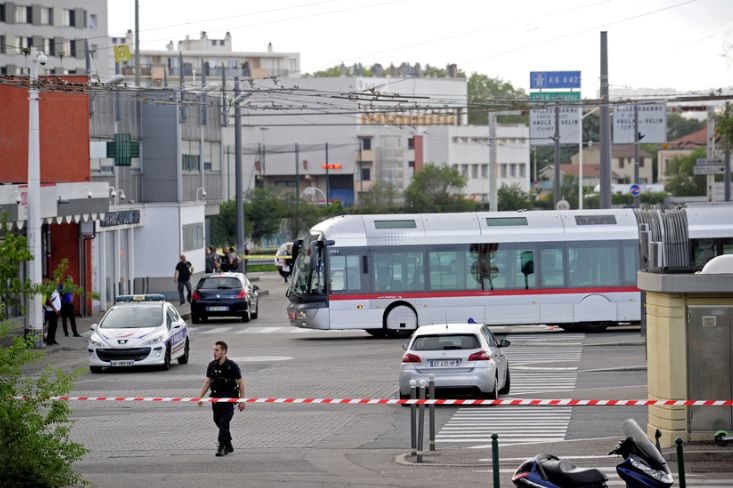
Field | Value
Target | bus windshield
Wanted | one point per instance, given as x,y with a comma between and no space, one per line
309,269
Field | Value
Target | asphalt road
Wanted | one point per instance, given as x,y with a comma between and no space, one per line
173,444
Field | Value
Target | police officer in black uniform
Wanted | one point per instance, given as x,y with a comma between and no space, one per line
224,378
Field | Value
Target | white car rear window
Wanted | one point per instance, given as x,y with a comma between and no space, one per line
445,342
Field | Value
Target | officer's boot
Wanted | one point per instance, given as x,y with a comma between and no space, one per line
221,451
228,448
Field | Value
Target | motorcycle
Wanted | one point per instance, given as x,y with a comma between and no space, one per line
642,467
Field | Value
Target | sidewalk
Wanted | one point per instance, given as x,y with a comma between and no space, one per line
699,457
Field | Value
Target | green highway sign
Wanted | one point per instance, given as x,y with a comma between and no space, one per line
547,96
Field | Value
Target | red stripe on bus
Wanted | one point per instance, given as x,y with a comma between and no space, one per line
480,293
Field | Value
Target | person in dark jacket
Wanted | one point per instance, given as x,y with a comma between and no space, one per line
67,310
224,378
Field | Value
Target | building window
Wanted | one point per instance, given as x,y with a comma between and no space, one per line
23,15
621,163
641,162
49,47
366,143
2,44
522,170
366,174
190,162
193,237
24,43
411,143
484,171
2,12
46,16
411,164
93,21
503,170
69,18
474,171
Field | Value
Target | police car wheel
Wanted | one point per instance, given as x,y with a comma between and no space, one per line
95,369
184,359
166,360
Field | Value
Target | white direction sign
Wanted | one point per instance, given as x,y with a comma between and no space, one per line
652,123
542,125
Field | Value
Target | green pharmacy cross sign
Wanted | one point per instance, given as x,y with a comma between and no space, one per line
123,149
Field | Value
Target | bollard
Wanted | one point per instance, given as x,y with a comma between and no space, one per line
413,417
431,410
680,463
420,421
495,458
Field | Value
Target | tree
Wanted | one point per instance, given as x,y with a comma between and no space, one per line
678,126
383,198
35,450
223,226
485,93
263,210
512,198
683,181
437,189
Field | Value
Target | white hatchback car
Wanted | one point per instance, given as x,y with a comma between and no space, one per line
139,330
464,360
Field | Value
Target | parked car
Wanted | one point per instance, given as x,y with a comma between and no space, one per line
464,359
224,294
139,330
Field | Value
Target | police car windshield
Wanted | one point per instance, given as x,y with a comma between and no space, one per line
130,317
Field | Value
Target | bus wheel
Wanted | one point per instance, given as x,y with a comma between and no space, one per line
400,321
593,327
377,332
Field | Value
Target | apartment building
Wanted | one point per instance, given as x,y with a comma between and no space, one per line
72,33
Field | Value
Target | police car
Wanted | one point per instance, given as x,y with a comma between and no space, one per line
139,330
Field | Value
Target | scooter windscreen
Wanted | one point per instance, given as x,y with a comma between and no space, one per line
643,444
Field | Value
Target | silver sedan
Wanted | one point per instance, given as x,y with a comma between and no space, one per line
464,360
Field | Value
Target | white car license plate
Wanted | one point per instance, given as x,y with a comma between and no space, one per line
444,363
128,362
217,309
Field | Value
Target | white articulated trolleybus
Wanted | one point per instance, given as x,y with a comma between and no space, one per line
389,274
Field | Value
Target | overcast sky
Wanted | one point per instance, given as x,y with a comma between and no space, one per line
678,44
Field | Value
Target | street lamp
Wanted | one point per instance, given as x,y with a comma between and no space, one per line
35,317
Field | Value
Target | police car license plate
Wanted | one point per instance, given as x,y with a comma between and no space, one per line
217,309
444,363
127,362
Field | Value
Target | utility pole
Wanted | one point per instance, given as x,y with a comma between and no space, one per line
710,179
34,328
297,175
137,43
328,179
238,168
636,152
556,138
726,178
605,135
493,191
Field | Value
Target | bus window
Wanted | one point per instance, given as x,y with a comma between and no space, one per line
593,263
505,266
629,261
344,271
398,271
552,267
450,269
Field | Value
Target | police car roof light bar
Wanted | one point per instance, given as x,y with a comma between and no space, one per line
151,297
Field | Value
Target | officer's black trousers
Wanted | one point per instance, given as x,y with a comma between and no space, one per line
223,413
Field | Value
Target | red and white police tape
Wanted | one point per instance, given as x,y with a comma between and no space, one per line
544,402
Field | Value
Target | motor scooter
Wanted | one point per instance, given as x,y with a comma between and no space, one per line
642,467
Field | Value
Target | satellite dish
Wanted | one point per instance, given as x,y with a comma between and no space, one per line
563,205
